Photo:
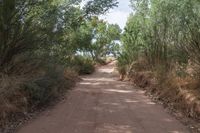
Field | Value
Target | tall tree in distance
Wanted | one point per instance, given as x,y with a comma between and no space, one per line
98,38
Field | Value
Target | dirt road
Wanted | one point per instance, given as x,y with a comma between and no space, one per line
101,104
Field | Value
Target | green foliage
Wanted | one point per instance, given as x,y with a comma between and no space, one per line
44,88
163,32
47,27
83,65
122,64
99,38
97,7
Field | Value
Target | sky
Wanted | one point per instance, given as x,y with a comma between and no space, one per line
119,15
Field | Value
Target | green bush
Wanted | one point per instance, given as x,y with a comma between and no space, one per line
122,64
41,90
82,65
46,87
37,86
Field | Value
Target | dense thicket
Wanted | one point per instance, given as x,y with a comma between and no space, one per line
45,27
163,32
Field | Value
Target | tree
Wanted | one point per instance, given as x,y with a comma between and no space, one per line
163,32
43,26
99,38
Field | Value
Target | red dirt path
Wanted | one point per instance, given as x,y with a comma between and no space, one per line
102,104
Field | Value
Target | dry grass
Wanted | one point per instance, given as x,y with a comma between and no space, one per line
186,95
20,94
177,92
12,99
71,74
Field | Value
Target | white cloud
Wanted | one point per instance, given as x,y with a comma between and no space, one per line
116,17
120,14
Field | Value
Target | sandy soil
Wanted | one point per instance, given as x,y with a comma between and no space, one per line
102,104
